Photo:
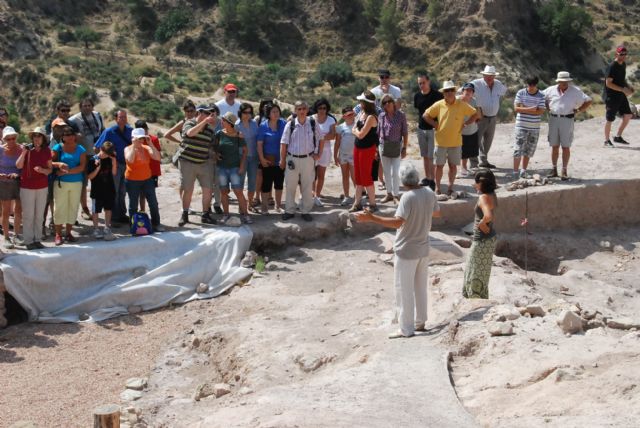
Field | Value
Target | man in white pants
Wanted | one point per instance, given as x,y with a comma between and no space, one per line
299,148
417,207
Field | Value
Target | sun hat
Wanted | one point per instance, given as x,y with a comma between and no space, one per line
138,133
367,98
230,87
8,131
448,85
58,121
563,76
489,70
38,130
230,117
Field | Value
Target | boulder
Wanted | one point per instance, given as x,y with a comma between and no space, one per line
623,323
569,322
500,328
130,395
136,383
220,389
535,310
502,313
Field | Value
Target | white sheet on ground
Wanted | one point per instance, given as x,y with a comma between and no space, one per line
103,279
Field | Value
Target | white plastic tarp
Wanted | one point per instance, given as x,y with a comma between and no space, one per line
103,279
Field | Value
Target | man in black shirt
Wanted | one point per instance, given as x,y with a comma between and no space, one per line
422,100
616,92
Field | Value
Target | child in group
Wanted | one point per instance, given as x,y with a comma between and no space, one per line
101,169
343,152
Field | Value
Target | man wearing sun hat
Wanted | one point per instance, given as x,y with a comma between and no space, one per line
489,91
563,102
615,96
450,114
229,102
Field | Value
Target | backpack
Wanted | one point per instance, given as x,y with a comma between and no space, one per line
292,125
140,224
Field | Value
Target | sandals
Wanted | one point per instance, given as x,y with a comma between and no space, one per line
382,186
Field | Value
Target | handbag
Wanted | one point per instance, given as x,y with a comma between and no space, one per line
390,149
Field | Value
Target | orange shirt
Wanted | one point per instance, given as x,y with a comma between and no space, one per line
140,168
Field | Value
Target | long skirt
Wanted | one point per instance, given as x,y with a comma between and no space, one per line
478,269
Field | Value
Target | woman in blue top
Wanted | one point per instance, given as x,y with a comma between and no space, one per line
71,160
269,135
249,129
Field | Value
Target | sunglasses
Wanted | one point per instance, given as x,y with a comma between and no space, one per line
384,77
247,112
448,90
65,110
189,110
321,108
622,54
349,114
231,92
387,102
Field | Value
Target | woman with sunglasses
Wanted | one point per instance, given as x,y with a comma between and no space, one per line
70,159
248,127
35,163
394,139
269,136
326,123
10,151
364,152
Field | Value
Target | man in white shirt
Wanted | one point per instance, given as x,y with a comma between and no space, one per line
385,87
563,102
299,148
489,90
229,103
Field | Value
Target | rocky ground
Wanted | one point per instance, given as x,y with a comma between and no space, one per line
304,343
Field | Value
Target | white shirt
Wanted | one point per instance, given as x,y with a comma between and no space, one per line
300,142
225,107
563,104
394,91
488,99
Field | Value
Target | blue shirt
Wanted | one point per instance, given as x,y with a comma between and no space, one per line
250,134
270,138
119,139
72,160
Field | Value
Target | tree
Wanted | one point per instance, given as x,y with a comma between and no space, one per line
227,11
87,35
564,23
335,72
388,31
174,22
372,10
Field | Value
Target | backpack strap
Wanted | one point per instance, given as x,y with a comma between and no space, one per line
312,121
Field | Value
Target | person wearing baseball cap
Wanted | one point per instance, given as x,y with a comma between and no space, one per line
616,92
229,102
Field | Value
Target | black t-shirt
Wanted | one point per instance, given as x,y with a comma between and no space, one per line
618,72
424,101
102,186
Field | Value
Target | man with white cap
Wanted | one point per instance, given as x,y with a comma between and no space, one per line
450,114
489,90
615,96
563,102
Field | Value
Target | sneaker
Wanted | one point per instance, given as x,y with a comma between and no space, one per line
463,173
553,173
387,198
564,176
523,173
58,240
317,202
18,240
108,234
345,201
355,208
620,140
608,143
372,208
217,209
287,216
207,218
8,245
158,228
97,233
184,218
70,238
307,217
246,219
225,218
32,246
39,245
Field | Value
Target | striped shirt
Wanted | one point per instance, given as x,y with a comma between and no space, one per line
196,148
525,99
300,141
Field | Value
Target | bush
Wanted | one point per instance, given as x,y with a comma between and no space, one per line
174,22
66,36
435,9
84,91
86,35
162,85
153,109
564,23
335,73
372,10
114,94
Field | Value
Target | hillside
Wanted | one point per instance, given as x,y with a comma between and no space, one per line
150,54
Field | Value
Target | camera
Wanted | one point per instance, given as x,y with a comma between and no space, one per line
291,165
29,146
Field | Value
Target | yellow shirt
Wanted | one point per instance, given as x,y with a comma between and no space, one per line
450,121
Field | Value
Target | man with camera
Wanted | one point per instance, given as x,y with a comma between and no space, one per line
299,148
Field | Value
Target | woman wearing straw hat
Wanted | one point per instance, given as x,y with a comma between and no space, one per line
10,184
35,163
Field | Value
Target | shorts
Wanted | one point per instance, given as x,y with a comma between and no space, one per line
560,131
272,176
426,142
325,158
617,104
230,176
98,205
452,155
363,163
345,158
470,146
191,171
526,141
9,189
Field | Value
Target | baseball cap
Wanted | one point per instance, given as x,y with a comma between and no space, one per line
621,49
203,107
469,85
384,72
58,121
230,87
138,133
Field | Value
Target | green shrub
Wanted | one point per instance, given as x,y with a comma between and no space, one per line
66,36
163,85
335,72
389,31
153,109
114,94
86,35
84,91
564,23
435,9
174,22
372,10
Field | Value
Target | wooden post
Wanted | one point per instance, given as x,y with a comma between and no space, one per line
107,416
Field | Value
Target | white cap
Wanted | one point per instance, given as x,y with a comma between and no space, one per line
564,76
8,131
138,133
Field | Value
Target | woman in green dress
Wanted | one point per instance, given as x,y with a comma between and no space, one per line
478,269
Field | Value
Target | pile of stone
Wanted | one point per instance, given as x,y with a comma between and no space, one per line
535,180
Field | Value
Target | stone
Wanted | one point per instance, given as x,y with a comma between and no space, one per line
196,342
234,222
203,390
588,314
502,313
569,322
245,390
130,395
623,323
500,328
134,309
202,288
220,389
83,316
562,375
249,259
535,310
606,245
136,383
595,323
